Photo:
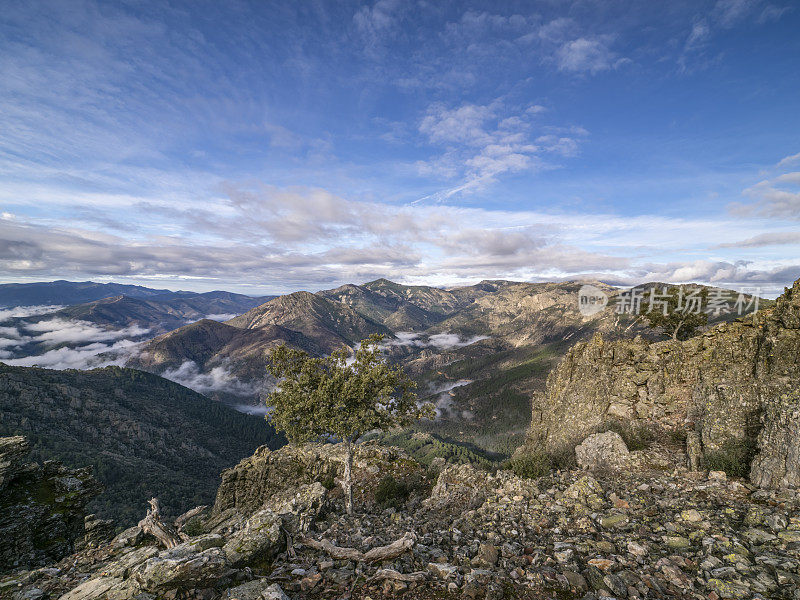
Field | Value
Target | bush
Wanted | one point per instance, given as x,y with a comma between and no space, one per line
328,482
531,466
391,493
734,457
564,458
636,437
194,527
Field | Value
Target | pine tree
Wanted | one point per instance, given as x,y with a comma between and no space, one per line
341,396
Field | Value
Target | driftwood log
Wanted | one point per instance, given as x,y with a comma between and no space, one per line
155,526
388,552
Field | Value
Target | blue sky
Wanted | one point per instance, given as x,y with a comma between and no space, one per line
273,146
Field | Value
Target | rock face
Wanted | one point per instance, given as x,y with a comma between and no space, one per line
41,507
602,450
778,463
716,385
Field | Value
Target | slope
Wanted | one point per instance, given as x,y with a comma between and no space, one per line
143,435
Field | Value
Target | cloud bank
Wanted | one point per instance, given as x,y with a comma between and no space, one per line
64,344
443,341
218,379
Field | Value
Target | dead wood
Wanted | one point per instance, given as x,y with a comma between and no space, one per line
380,553
155,526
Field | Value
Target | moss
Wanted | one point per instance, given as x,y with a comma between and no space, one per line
328,482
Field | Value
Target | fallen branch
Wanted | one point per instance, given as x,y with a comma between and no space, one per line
391,551
152,524
387,552
382,574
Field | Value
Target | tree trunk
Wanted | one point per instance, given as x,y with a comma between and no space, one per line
347,479
677,329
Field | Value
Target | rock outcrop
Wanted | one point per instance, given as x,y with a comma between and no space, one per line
42,507
724,385
249,484
634,534
778,462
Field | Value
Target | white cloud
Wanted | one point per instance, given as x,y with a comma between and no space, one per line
586,56
221,316
729,12
776,238
777,197
63,331
437,340
789,160
90,356
27,311
482,142
218,379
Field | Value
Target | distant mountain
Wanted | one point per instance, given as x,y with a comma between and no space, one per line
330,324
143,435
118,304
68,292
209,344
163,312
480,352
397,307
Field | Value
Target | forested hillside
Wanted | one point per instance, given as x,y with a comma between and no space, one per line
142,434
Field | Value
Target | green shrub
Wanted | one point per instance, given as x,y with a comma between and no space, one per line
564,458
531,466
391,493
328,482
734,457
194,527
636,437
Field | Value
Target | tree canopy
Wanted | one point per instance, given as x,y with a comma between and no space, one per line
677,311
343,395
340,395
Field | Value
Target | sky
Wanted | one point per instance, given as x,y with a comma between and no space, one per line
266,147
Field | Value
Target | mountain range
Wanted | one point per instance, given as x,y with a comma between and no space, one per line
480,352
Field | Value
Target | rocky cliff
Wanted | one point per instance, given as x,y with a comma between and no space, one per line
735,384
41,507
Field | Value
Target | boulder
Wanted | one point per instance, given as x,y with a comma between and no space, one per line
248,486
778,461
258,589
258,541
602,450
181,567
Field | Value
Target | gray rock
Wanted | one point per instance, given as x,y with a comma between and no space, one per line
260,539
274,592
42,507
602,450
180,567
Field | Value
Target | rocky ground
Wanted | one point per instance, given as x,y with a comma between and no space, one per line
644,528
